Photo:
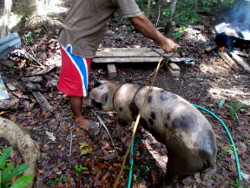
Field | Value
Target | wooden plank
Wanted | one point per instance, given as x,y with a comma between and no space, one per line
128,52
126,60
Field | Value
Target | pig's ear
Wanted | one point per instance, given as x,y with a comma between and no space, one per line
99,82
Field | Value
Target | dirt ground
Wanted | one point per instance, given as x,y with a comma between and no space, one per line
206,84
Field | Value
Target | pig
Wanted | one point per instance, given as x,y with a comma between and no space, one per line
173,121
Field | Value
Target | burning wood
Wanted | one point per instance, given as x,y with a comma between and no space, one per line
223,54
240,61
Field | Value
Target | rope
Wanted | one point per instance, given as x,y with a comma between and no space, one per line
137,122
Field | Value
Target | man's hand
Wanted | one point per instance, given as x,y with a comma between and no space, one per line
143,25
168,45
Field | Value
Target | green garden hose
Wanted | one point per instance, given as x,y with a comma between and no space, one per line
229,136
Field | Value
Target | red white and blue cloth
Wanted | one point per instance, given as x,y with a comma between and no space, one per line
74,74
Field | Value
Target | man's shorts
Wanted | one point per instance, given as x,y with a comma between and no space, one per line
74,74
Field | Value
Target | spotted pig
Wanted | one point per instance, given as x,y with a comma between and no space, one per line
187,134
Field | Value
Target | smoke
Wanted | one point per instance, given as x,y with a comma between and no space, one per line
239,16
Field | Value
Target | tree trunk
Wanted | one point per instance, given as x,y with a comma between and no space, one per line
31,7
172,11
148,7
37,18
6,16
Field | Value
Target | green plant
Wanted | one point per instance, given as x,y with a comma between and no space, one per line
233,109
29,37
62,179
13,71
228,149
237,184
8,171
143,173
71,114
220,156
178,32
80,168
127,168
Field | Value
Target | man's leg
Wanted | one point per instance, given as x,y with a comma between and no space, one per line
76,105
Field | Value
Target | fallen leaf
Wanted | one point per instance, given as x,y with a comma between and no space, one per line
85,149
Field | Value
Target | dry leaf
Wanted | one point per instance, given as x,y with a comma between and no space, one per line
85,149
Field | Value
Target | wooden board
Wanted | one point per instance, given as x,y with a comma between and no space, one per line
127,52
126,60
128,55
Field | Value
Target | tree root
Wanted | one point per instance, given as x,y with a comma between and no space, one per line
28,148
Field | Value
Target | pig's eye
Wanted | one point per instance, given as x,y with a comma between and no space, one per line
101,88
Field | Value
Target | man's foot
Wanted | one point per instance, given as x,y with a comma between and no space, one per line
83,123
90,126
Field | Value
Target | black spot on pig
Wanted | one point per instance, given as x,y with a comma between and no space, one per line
168,116
122,122
120,109
97,84
96,104
149,99
152,115
104,98
134,109
166,96
144,123
166,125
151,122
186,123
206,143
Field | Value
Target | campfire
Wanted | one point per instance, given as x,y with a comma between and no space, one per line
233,37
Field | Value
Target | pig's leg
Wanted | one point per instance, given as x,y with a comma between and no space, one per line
171,177
119,127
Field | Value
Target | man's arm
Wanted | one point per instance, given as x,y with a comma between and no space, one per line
144,26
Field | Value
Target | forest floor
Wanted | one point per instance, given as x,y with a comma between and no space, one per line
207,84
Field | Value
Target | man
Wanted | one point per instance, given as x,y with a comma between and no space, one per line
80,36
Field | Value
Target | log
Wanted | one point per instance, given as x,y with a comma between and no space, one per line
240,62
229,61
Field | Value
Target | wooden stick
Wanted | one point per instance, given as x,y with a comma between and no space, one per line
240,61
103,124
70,145
229,61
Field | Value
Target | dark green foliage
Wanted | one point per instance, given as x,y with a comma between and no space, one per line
8,171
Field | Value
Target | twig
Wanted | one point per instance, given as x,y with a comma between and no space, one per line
30,56
71,140
104,127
